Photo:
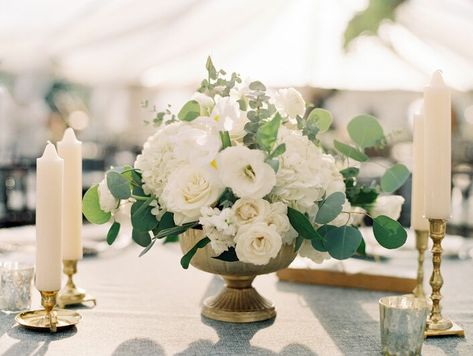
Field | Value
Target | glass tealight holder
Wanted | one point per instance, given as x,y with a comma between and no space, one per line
402,323
16,281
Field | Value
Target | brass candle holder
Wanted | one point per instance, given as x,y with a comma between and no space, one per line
70,294
437,325
48,318
422,238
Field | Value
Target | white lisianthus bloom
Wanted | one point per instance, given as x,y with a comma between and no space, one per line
289,102
206,103
278,218
237,133
257,243
107,201
225,113
245,172
304,172
389,205
219,227
189,189
249,211
307,250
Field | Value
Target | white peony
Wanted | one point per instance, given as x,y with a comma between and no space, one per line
304,172
307,250
249,211
225,113
206,103
245,172
257,243
107,201
289,102
219,227
189,189
389,205
277,217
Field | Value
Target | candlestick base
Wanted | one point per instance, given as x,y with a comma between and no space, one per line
454,330
70,294
48,318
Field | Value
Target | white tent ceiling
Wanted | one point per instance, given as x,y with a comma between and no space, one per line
298,42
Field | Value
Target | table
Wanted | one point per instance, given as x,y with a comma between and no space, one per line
150,306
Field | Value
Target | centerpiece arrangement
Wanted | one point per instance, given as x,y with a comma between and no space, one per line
240,177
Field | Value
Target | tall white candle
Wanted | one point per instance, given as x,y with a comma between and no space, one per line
70,149
418,220
49,178
438,146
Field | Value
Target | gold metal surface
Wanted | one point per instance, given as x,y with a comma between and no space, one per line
70,294
238,302
437,325
422,238
48,318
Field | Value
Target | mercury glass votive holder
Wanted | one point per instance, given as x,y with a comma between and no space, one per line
16,281
402,324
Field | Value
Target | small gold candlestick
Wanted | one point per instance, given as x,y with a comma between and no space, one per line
422,238
70,294
48,318
437,325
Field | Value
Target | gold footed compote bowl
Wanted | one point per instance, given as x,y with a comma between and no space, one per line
238,302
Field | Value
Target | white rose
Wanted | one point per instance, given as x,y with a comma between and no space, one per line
307,250
249,211
289,102
257,243
107,201
225,113
278,218
245,172
389,205
206,103
190,188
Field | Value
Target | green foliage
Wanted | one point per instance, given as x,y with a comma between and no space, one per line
141,217
388,232
257,85
359,194
298,243
361,250
228,256
342,242
175,230
394,178
350,172
321,119
113,233
225,138
118,185
267,133
190,111
227,199
330,208
302,224
365,131
186,259
91,207
142,238
350,151
278,151
211,68
170,239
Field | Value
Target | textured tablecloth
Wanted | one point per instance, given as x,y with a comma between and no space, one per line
150,306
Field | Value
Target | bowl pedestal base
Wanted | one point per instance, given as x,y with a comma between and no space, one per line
238,302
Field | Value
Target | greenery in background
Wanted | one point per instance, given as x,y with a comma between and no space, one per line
341,242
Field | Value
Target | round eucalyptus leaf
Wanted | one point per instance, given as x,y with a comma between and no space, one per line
141,217
394,178
91,207
342,242
365,131
142,238
118,185
190,111
350,151
330,208
322,119
388,232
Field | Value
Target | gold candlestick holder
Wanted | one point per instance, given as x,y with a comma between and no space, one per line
48,318
422,238
437,325
70,294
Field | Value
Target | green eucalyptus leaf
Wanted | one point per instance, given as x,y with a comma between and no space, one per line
298,244
190,111
113,233
342,242
242,104
267,133
91,207
302,224
388,232
170,239
141,217
361,250
166,222
142,238
365,131
257,85
350,172
319,245
118,185
330,208
211,68
176,230
186,259
147,248
350,151
228,256
279,150
274,163
394,178
321,118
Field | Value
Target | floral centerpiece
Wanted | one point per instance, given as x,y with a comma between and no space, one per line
245,167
